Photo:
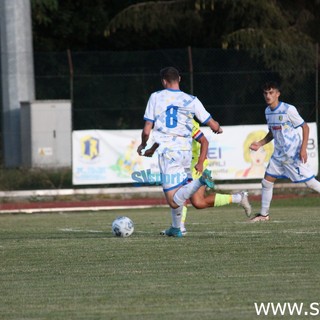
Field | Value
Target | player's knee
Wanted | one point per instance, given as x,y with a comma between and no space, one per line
266,184
171,200
172,204
199,205
199,202
176,201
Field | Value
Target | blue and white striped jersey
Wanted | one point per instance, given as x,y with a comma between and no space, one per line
283,122
172,112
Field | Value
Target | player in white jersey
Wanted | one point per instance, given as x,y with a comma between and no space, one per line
170,112
289,159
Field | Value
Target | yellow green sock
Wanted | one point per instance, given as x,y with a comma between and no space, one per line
222,199
184,214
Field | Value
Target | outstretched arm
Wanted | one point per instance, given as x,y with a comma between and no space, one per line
215,126
257,144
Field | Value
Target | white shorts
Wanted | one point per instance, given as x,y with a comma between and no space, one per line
296,171
174,168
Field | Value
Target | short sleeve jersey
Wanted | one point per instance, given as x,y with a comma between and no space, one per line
172,112
283,122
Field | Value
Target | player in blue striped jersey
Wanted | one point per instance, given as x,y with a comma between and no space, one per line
289,159
170,113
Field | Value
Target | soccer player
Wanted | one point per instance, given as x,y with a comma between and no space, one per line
289,159
169,113
198,163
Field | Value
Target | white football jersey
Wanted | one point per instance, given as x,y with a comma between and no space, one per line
172,112
283,122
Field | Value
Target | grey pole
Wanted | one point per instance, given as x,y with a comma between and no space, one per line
17,72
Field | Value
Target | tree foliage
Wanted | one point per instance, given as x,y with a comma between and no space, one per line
280,33
96,24
59,25
275,38
157,16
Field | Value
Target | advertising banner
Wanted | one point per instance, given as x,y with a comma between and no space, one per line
110,156
231,159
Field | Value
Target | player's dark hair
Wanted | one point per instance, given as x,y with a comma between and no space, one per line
271,85
169,74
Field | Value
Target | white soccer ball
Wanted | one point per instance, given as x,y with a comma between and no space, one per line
122,227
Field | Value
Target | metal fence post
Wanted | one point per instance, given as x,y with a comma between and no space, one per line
190,69
71,83
317,96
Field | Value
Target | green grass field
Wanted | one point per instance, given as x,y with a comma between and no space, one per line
69,266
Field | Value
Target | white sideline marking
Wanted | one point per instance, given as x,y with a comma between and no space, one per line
254,187
134,190
79,230
70,209
256,232
232,233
